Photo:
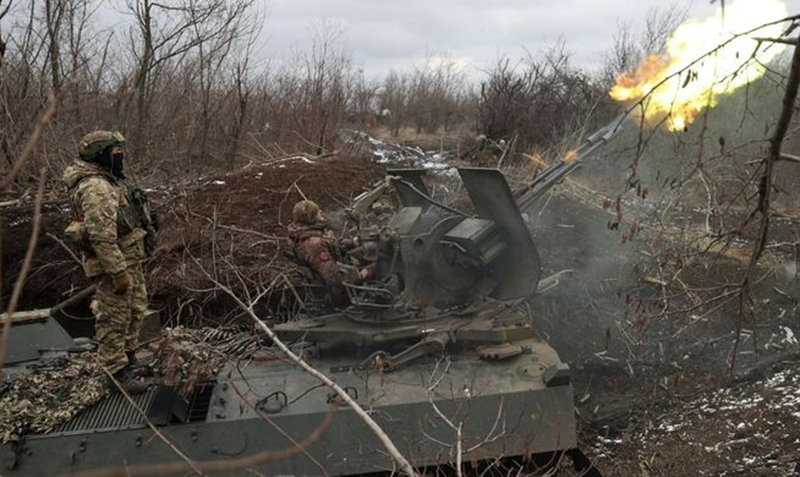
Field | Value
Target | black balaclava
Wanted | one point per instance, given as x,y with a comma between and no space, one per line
114,163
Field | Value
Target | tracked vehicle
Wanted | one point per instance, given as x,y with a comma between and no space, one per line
441,353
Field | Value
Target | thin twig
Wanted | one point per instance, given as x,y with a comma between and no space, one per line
784,41
789,158
125,471
271,238
65,247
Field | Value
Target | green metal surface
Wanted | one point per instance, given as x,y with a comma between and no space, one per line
29,341
505,408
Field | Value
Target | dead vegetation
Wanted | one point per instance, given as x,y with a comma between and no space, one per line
50,396
227,148
749,427
185,357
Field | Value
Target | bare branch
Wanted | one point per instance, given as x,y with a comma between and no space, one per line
30,145
789,158
784,41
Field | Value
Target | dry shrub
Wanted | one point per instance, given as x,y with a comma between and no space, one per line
187,357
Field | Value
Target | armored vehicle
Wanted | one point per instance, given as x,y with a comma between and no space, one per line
441,353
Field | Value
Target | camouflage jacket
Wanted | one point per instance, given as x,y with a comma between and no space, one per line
321,253
100,204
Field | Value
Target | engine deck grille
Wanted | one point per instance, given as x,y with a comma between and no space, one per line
113,412
200,403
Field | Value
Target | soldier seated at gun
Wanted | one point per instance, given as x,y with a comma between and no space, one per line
323,254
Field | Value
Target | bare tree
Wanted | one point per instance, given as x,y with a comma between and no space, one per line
169,31
393,100
435,92
363,101
630,46
54,15
5,7
326,70
243,92
539,100
241,84
81,52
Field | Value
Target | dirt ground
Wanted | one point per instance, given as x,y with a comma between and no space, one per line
655,396
748,427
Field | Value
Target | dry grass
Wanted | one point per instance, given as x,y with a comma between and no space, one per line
453,140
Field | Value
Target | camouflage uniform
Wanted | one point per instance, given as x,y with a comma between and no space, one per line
319,252
111,245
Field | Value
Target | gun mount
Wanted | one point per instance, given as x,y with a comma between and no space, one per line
445,257
440,258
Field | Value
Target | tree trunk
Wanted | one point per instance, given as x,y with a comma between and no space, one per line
238,127
53,16
142,80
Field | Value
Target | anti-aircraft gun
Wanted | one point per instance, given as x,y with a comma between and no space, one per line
447,261
444,334
462,277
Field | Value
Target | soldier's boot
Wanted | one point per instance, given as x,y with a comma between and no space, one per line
133,362
127,381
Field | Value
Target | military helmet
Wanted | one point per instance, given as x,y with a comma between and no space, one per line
305,212
95,142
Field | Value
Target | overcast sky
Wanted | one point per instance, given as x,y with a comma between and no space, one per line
397,34
384,34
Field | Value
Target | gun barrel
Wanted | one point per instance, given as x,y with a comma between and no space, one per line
562,168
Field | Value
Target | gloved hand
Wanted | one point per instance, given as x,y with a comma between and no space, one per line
367,272
121,282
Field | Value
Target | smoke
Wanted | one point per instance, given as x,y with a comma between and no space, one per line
576,315
650,194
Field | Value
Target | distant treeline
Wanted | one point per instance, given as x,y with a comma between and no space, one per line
182,81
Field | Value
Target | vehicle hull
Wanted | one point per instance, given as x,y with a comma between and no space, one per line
505,408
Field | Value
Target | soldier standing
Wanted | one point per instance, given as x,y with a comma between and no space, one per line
115,230
320,252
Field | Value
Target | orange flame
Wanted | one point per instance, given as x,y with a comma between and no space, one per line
633,84
680,98
570,156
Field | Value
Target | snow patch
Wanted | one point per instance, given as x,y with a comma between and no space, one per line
790,338
384,152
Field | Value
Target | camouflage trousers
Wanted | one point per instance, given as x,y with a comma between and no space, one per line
119,318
